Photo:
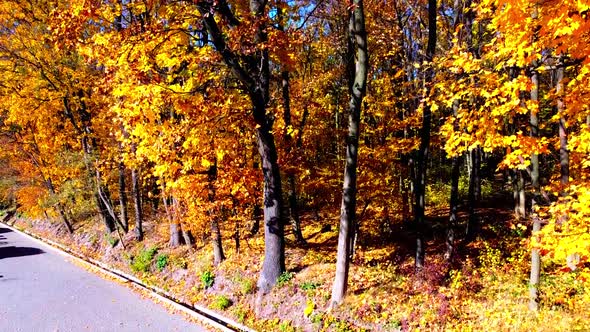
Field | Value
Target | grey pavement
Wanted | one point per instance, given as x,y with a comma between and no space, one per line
41,290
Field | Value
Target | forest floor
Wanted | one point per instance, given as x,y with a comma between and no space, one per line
485,288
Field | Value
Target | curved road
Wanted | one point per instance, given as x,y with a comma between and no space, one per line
41,290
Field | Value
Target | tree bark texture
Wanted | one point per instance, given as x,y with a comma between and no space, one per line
124,216
218,255
60,209
175,235
563,150
136,190
535,254
358,35
254,75
453,209
423,151
474,189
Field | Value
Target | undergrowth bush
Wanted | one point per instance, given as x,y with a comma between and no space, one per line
161,262
284,278
143,260
207,278
221,302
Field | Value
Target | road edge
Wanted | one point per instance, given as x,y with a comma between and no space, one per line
198,312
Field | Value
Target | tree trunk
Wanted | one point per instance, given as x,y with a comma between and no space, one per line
274,240
535,254
137,204
188,238
358,35
423,151
218,255
453,209
104,213
256,214
292,194
294,211
60,209
254,76
563,150
123,198
473,222
521,194
175,235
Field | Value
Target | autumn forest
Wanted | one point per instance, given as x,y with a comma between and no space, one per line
322,165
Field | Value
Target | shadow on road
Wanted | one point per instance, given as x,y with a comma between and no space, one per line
4,230
12,251
7,252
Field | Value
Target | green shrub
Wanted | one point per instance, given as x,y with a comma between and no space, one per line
247,286
284,278
310,285
142,262
240,314
221,302
161,261
207,278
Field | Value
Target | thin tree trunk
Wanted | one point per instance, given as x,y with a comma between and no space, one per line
535,254
104,213
358,35
292,194
563,150
453,209
59,208
521,194
123,198
218,255
473,222
136,191
294,211
423,151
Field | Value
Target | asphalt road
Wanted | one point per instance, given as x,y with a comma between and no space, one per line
41,290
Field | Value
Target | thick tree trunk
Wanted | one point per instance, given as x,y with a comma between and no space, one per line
218,255
175,235
123,198
254,76
358,35
274,240
136,191
188,238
